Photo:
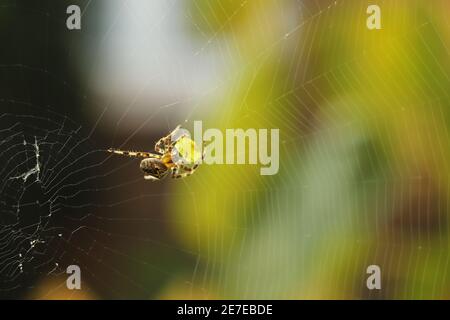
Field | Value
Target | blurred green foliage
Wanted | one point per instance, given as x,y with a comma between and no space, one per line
363,178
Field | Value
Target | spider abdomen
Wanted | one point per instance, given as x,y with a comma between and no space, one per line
153,168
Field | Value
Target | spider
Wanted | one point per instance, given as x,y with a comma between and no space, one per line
177,155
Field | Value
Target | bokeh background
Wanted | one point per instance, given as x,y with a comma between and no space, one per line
364,121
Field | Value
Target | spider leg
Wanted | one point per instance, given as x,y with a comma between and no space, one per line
174,130
136,154
160,146
165,144
176,173
182,172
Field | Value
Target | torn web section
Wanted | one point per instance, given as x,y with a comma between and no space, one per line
45,169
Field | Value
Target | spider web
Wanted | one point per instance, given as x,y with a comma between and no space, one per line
345,198
57,207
